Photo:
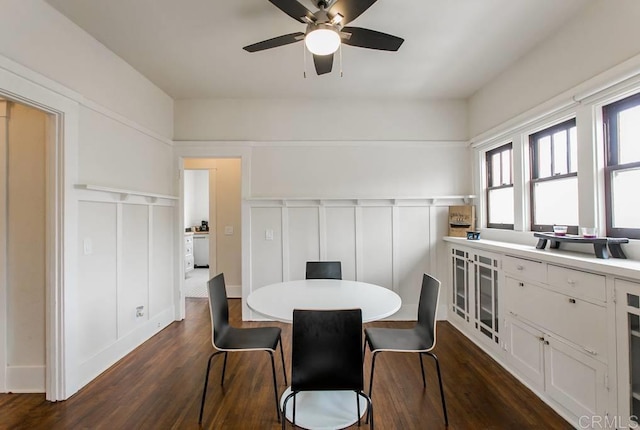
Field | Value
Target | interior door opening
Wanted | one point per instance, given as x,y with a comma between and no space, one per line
212,224
24,135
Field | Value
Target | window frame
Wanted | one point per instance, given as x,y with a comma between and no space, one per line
534,138
508,147
612,164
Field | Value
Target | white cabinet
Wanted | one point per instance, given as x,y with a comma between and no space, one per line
201,250
188,253
474,292
557,333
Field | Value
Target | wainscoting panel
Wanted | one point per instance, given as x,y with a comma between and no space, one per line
340,233
374,232
126,259
97,278
304,239
387,242
412,251
161,261
267,263
133,272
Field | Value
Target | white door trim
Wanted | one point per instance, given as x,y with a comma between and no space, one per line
22,85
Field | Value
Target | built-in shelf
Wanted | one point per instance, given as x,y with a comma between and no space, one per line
124,194
364,201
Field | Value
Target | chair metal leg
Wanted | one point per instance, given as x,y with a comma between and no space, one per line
444,405
424,381
275,384
224,369
373,364
369,410
284,368
206,383
293,415
358,406
284,409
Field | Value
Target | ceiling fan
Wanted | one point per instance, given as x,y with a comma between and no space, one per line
326,30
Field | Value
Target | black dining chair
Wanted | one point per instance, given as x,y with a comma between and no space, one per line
324,270
226,338
420,339
326,355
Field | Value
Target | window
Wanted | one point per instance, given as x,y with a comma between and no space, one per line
500,188
554,177
622,166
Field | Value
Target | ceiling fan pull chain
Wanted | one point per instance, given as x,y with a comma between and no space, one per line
304,61
340,49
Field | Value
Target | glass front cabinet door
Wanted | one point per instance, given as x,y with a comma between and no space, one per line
475,291
628,338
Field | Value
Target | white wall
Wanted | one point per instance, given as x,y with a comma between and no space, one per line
300,120
329,178
124,126
602,36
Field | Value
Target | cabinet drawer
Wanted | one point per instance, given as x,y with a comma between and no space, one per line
188,240
577,283
574,319
188,263
188,249
529,270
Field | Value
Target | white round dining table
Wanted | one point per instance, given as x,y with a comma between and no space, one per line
277,301
324,410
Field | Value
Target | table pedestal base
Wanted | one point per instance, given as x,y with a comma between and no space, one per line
324,410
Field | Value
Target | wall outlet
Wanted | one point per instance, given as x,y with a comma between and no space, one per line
139,311
268,234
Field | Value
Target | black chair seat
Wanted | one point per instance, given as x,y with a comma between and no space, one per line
392,339
259,338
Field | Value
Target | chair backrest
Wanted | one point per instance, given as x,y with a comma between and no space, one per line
218,307
324,270
428,305
327,350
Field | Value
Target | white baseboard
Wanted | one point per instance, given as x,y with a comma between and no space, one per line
106,358
234,291
25,379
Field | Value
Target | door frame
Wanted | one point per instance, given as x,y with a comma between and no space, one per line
20,84
212,149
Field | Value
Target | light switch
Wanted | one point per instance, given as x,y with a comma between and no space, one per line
268,234
87,246
228,230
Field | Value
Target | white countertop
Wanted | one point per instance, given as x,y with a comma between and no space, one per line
611,266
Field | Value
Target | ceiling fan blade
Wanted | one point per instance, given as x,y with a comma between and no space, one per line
294,9
323,63
275,42
350,9
365,38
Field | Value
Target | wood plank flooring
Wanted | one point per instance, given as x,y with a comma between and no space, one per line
158,386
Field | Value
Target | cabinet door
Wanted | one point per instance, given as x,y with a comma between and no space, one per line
485,294
574,379
628,329
460,283
525,351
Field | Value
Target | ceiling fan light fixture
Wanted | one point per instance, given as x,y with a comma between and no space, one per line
322,40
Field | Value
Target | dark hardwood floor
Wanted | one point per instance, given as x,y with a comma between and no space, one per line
159,385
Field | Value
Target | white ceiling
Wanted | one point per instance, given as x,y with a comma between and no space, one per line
193,48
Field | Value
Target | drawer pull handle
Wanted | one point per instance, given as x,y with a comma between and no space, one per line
521,284
546,342
519,267
572,300
541,339
571,282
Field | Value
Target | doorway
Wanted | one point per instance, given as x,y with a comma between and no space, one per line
223,177
24,135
